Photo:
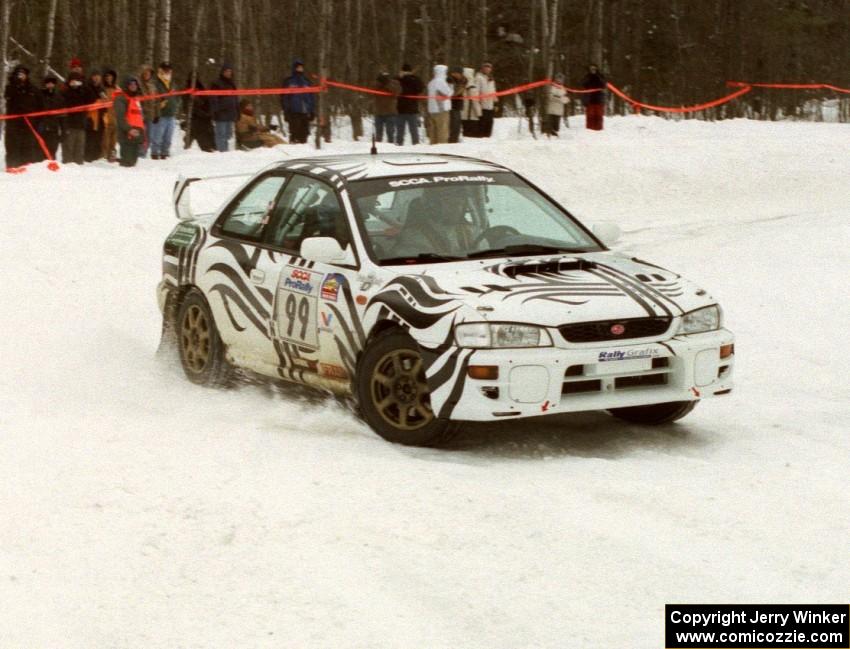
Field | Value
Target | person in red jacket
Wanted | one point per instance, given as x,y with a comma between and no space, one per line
130,121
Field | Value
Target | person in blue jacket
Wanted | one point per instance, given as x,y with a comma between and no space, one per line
224,108
299,109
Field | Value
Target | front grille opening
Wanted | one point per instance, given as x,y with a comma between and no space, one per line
589,332
575,370
574,387
658,363
640,381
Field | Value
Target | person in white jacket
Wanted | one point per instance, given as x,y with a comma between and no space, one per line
556,100
486,86
471,112
439,105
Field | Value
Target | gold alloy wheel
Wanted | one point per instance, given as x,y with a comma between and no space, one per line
195,339
399,391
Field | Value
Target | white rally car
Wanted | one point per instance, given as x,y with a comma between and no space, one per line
433,289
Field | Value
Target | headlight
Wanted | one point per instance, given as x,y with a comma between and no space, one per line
501,334
705,319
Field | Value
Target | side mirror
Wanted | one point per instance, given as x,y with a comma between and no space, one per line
607,231
326,250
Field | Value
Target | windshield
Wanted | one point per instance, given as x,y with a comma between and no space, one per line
441,217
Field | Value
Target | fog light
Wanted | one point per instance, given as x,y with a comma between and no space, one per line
727,350
483,372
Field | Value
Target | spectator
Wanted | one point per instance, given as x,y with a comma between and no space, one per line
556,100
486,86
299,109
594,102
74,124
224,109
110,131
386,107
130,121
439,105
50,126
76,65
147,86
471,111
408,107
21,97
162,128
94,118
249,133
201,127
458,83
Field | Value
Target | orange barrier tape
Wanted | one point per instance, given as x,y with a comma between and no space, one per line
789,86
679,109
490,95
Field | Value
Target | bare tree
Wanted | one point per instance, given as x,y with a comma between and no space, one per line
324,20
150,30
165,31
51,28
196,33
5,11
236,15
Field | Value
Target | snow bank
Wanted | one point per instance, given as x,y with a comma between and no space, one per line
141,511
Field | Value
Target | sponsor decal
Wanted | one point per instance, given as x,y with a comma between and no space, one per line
545,406
627,354
182,235
305,363
330,287
434,180
332,371
326,323
618,329
299,280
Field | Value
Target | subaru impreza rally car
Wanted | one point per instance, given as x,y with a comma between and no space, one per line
433,289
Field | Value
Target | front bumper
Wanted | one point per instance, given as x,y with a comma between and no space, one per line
551,380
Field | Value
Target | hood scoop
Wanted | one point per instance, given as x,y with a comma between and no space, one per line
546,266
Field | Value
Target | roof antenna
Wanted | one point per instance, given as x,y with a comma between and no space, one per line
374,149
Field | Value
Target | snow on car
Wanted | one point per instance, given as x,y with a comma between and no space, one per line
433,289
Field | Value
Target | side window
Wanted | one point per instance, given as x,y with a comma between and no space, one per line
308,208
252,212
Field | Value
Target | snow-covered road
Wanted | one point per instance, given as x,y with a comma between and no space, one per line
138,510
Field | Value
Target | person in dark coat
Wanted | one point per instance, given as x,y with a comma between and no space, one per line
94,118
201,127
130,121
408,109
50,126
74,94
594,102
458,83
386,107
22,97
224,108
162,127
299,109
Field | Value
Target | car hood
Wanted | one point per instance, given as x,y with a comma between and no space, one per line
553,291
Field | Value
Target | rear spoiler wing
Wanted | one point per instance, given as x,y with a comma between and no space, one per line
182,194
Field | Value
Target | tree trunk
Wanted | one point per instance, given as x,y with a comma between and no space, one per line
165,31
402,38
598,20
321,98
5,12
426,34
196,33
150,32
51,28
236,17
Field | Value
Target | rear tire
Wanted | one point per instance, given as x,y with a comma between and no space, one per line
393,395
655,414
200,347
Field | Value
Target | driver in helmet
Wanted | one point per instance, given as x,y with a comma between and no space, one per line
436,223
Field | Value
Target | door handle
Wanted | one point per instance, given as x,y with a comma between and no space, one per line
257,276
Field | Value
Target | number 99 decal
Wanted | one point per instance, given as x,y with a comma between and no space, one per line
296,306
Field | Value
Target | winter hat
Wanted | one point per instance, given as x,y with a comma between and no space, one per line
406,67
383,77
559,77
125,84
75,63
50,79
20,68
226,66
165,65
456,68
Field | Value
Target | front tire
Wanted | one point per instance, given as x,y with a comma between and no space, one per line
655,414
201,348
393,393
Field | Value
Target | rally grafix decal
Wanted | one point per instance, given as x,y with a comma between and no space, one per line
331,286
627,354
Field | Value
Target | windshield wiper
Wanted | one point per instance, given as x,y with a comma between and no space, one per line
523,249
422,257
